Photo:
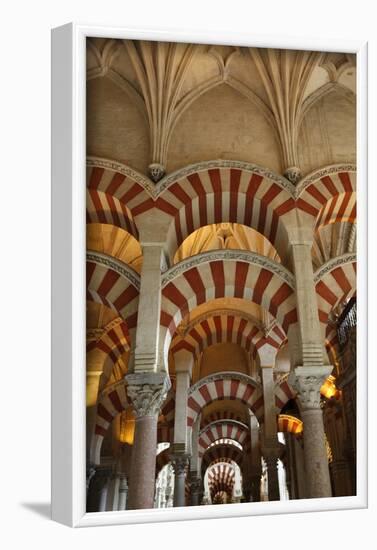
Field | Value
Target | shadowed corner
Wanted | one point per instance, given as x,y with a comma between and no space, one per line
42,509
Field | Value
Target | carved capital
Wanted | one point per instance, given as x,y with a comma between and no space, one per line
180,463
147,392
156,171
307,382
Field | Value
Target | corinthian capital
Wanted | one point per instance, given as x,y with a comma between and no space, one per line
180,463
307,382
147,392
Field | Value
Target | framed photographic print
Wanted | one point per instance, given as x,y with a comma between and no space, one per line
209,327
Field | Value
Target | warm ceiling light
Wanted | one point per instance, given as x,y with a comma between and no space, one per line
329,389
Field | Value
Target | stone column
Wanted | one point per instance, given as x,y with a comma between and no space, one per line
307,381
271,455
90,472
97,493
255,480
183,366
300,467
112,497
255,470
180,463
271,448
195,490
195,479
123,491
147,392
102,507
309,350
341,478
291,467
183,361
145,356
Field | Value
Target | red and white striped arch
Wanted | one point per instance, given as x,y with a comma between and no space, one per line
222,274
112,401
219,415
193,197
221,430
219,453
224,385
341,208
283,393
227,328
289,424
113,193
214,193
335,282
113,343
329,195
116,286
221,477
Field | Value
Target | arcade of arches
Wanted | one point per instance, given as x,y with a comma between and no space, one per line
221,274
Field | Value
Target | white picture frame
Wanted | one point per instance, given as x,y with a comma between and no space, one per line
68,278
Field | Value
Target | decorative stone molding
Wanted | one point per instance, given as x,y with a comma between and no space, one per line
321,173
154,190
235,255
226,375
307,382
221,163
156,171
293,174
147,392
115,166
116,265
181,173
348,258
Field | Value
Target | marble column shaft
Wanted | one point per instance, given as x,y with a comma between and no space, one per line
180,464
147,393
271,457
308,381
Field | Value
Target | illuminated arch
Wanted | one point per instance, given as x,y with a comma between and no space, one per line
114,342
335,282
289,424
221,326
112,401
224,385
220,453
227,273
113,284
222,430
328,195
